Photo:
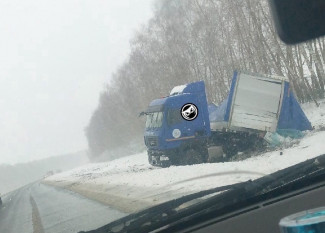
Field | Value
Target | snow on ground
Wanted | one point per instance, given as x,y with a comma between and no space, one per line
132,177
134,170
315,115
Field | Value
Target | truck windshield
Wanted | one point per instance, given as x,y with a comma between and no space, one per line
154,119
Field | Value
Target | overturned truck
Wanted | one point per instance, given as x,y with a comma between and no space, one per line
183,129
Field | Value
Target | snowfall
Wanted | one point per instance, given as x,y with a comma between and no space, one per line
131,183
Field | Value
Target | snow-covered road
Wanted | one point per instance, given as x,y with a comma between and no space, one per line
131,184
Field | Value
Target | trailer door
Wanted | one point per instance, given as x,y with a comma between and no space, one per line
256,103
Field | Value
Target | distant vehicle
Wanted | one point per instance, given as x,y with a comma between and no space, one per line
49,173
183,129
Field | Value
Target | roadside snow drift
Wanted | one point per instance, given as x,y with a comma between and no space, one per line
131,183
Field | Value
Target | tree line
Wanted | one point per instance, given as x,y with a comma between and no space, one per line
191,40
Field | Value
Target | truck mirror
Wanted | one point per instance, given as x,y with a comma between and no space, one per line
142,114
298,20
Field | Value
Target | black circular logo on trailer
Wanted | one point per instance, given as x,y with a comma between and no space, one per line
189,112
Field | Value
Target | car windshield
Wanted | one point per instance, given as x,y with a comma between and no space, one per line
109,108
154,120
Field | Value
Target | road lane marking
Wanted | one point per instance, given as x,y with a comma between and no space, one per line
36,218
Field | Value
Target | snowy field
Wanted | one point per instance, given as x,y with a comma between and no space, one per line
139,184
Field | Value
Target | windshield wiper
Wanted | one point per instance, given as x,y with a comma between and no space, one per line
232,197
158,212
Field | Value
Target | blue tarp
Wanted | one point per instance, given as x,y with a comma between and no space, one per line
230,96
291,117
217,113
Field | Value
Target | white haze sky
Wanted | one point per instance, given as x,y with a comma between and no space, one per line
55,58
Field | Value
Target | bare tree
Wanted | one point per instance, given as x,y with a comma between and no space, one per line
191,40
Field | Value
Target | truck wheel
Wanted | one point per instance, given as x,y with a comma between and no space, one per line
215,154
149,159
230,150
260,145
190,157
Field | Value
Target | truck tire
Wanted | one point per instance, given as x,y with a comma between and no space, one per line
230,150
149,158
190,157
215,154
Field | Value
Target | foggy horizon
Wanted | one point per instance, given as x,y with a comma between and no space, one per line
56,59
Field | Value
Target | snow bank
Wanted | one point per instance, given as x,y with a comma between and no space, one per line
133,178
315,115
135,171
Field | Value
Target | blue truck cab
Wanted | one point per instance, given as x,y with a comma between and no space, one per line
171,132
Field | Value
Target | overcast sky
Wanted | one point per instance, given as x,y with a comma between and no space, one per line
55,58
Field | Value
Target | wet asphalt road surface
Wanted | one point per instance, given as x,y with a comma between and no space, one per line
39,208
